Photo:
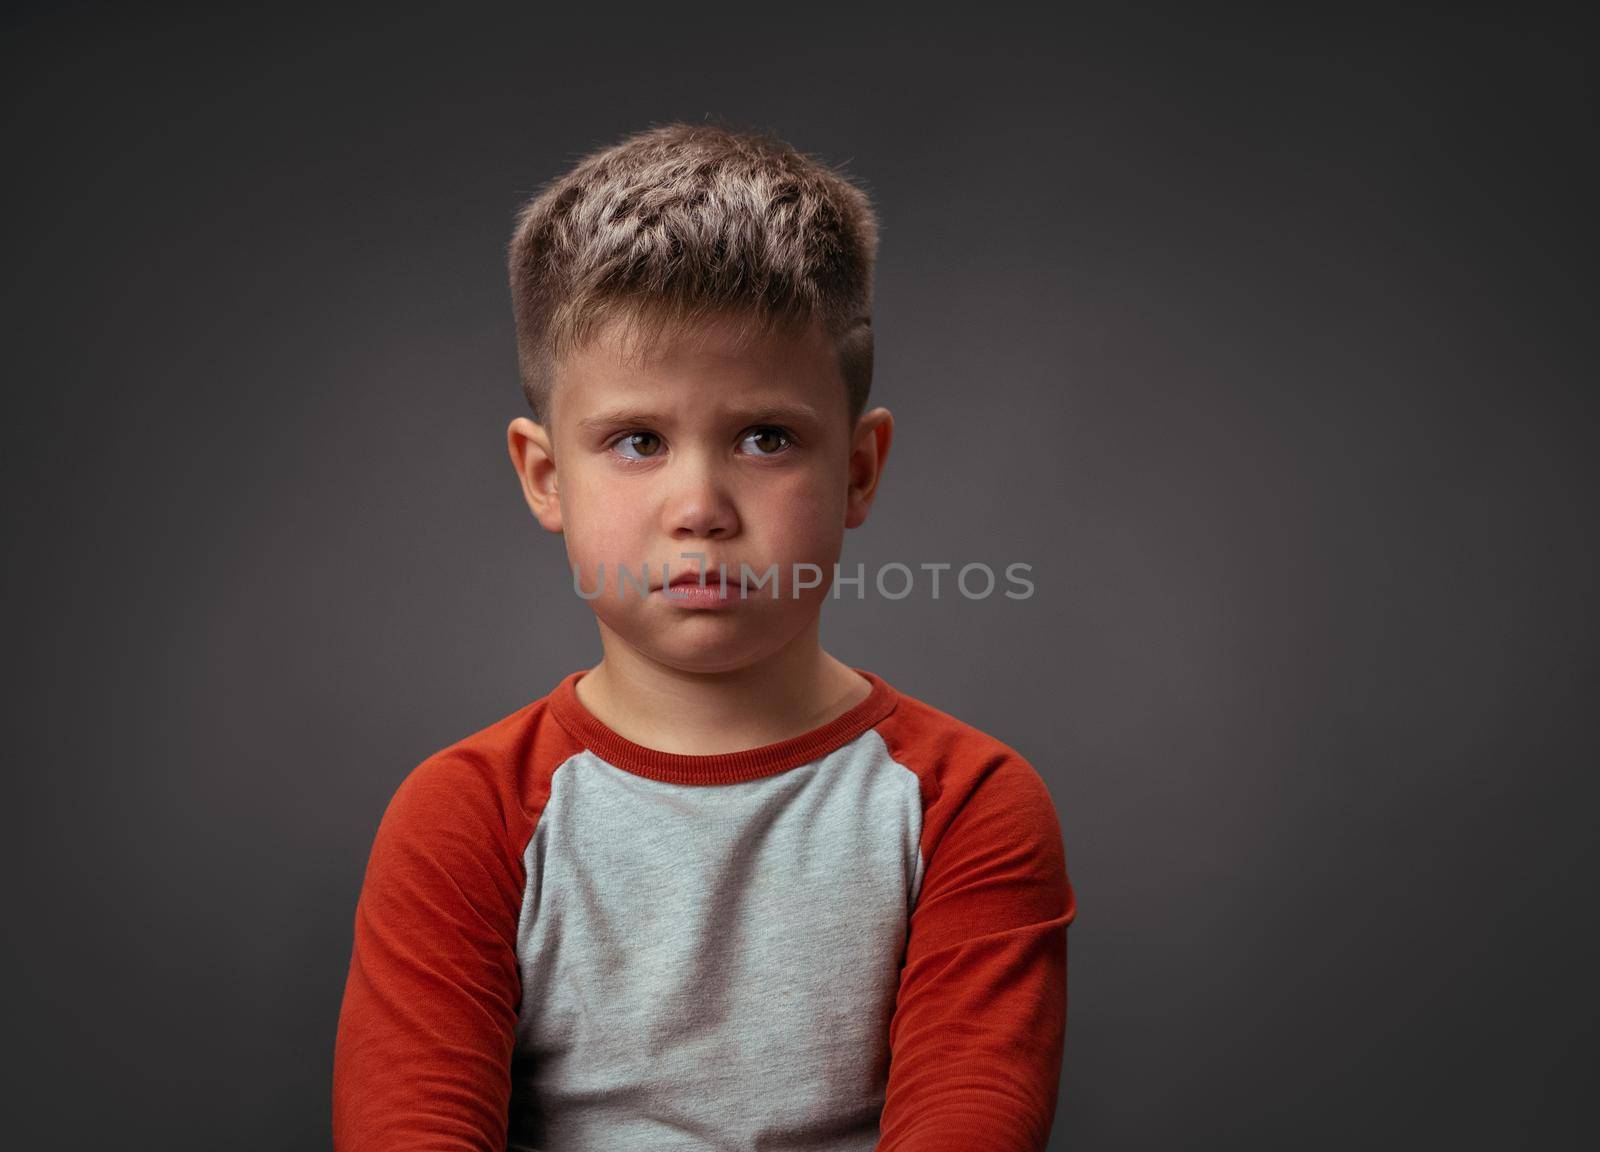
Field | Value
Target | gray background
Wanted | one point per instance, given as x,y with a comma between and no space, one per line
1266,338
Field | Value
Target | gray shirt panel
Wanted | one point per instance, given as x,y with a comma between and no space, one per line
714,966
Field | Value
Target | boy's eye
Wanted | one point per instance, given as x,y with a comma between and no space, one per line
637,445
765,440
768,440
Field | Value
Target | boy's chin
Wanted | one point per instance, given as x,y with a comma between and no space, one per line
704,645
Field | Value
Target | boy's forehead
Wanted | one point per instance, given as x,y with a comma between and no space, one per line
710,369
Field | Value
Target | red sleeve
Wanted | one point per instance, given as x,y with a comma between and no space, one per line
980,1019
426,1030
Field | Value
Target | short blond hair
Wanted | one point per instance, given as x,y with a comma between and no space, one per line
684,223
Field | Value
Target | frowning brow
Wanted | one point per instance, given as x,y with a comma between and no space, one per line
785,413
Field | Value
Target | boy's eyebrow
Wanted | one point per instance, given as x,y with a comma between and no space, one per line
774,413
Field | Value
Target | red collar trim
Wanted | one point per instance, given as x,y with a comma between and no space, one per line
724,767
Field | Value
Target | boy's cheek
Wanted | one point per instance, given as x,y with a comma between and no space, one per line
804,543
611,528
792,527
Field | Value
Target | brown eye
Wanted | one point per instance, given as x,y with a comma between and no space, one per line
643,445
768,441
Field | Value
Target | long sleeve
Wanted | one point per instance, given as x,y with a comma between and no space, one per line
426,1029
979,1025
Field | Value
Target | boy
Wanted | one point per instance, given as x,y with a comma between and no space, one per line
721,890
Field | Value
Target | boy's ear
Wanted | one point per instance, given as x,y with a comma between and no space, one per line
869,449
534,458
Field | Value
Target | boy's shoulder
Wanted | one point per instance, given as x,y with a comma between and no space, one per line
485,783
946,751
986,810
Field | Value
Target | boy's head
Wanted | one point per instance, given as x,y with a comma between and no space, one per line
693,326
684,223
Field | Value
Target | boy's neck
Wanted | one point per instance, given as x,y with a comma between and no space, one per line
796,689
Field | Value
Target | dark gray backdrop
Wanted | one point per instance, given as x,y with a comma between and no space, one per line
1266,338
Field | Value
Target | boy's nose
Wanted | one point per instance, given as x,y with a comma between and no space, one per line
699,506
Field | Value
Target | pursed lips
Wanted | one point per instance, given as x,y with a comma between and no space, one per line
693,576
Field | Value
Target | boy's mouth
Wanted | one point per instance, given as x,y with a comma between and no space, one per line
693,576
686,591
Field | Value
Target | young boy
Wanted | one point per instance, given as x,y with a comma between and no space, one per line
721,890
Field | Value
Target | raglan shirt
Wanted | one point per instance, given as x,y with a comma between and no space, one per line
851,940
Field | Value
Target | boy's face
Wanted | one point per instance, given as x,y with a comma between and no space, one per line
745,454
